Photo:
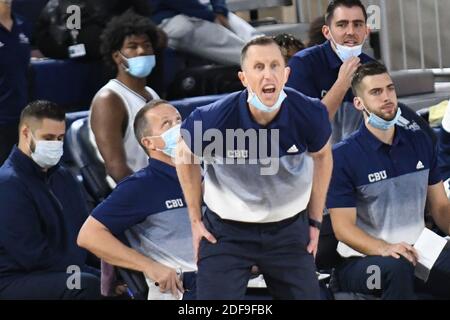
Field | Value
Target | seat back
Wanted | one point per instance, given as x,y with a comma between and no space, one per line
413,82
135,280
137,286
48,82
85,159
205,80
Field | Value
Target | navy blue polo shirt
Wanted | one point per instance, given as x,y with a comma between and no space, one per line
313,72
256,173
14,60
444,153
150,209
387,184
40,217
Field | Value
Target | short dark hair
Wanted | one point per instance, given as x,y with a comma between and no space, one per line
343,3
369,69
127,24
315,34
141,126
258,41
287,41
42,109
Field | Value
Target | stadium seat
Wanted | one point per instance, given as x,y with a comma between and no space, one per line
85,159
418,89
135,280
187,105
205,80
68,83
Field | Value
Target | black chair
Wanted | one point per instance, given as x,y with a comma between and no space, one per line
86,161
135,280
205,80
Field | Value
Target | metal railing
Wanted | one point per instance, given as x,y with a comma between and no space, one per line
411,35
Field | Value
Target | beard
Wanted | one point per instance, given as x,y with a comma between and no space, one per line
384,116
32,145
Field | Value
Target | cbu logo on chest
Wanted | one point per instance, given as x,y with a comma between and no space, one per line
176,203
377,176
237,154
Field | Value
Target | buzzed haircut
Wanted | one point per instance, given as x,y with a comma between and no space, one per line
42,109
333,5
141,126
258,41
369,69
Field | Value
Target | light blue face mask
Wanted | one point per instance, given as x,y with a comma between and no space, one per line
379,123
141,66
170,138
345,52
254,100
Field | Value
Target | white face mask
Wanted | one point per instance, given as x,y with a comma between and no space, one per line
345,52
47,153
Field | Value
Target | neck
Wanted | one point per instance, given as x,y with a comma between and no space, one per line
135,84
5,12
262,118
161,156
385,136
24,147
333,46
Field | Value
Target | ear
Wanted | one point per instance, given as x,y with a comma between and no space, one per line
287,72
368,31
243,79
326,32
116,57
148,143
357,102
25,131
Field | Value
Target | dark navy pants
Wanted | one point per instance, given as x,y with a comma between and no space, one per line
278,249
397,277
189,285
51,286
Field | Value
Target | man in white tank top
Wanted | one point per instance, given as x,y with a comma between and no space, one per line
128,44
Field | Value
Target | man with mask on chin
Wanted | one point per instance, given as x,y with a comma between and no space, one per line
42,210
267,158
148,208
325,71
383,176
127,44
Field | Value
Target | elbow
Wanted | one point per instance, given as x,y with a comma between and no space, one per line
339,232
339,236
83,237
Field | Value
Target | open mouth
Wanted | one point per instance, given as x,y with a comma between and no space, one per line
351,43
388,108
269,89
